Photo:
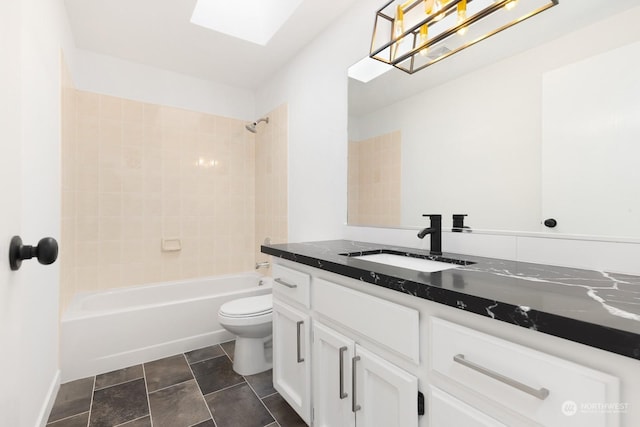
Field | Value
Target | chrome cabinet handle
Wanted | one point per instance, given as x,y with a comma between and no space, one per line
541,393
287,284
343,395
300,359
354,406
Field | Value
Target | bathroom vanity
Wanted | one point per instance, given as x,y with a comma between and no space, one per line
486,343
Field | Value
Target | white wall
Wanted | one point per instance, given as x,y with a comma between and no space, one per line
314,85
107,75
35,33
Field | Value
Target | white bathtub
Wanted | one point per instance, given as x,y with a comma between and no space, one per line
104,331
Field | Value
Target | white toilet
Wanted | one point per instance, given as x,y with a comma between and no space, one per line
250,320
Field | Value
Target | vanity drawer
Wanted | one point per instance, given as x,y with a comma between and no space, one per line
389,324
549,390
291,284
447,411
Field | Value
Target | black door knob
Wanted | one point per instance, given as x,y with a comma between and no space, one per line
550,222
46,252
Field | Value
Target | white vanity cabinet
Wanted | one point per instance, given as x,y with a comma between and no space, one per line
354,355
354,387
291,339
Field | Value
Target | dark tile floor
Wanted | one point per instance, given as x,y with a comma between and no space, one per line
194,389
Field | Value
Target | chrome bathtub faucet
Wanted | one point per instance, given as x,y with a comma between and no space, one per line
262,264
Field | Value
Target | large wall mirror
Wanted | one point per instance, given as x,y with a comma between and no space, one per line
509,138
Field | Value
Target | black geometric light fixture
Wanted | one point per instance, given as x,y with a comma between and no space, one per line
413,34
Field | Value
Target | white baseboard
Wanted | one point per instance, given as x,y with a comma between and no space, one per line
47,405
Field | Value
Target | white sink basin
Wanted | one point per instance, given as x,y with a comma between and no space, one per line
412,263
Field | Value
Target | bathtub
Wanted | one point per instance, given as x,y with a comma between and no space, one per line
109,330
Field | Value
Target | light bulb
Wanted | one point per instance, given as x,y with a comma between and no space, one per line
398,24
428,6
511,4
462,16
437,6
398,30
424,38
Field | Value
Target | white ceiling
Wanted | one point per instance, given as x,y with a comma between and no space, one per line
159,33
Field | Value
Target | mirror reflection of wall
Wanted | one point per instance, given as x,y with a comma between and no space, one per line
474,144
374,180
467,148
591,144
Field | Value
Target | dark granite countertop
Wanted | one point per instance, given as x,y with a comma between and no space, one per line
595,308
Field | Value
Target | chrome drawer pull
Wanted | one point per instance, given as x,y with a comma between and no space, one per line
541,393
300,359
343,395
354,406
287,284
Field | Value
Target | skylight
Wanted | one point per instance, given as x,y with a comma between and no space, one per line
255,21
367,69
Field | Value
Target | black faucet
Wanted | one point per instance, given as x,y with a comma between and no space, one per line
435,230
458,223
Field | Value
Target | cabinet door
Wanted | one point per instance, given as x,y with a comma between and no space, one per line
291,362
447,411
332,390
386,395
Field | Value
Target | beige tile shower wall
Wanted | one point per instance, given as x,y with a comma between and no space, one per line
271,180
67,248
353,185
374,179
145,172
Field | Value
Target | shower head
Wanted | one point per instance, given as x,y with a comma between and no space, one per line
251,127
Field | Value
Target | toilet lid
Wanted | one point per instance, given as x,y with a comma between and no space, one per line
251,306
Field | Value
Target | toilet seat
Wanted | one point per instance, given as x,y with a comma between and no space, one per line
249,307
